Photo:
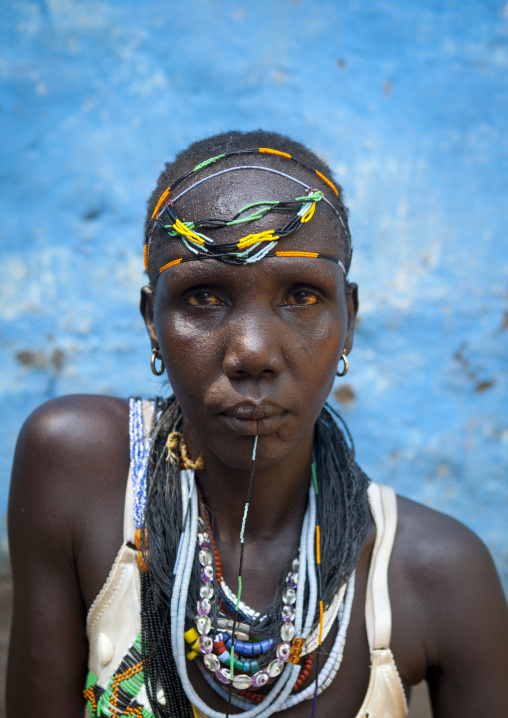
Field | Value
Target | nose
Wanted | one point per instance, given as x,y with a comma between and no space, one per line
254,349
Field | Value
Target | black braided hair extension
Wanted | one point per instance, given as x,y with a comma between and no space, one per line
343,518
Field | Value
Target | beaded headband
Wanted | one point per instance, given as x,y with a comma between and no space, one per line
252,247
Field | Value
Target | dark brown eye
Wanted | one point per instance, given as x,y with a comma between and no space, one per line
203,299
300,298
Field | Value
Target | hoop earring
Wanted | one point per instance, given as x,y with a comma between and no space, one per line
346,364
152,363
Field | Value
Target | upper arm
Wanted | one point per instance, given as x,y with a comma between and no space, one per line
51,501
466,624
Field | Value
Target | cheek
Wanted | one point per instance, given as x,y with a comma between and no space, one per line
187,348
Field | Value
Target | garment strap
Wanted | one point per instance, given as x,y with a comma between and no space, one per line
378,612
140,424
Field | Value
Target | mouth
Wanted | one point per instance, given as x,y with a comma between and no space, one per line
251,418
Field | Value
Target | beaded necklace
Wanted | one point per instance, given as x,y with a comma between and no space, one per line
229,640
289,675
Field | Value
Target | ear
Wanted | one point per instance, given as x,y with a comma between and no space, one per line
352,311
146,309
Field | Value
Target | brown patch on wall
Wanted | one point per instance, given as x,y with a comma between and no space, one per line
387,88
41,360
32,360
484,385
345,394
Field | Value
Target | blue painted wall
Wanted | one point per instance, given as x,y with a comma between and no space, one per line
407,102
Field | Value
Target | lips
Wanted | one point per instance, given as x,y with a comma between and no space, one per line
252,418
250,412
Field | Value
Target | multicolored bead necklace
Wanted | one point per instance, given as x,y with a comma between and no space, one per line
231,658
216,649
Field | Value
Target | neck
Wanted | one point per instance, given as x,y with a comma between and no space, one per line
278,494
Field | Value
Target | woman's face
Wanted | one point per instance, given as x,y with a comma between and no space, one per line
253,349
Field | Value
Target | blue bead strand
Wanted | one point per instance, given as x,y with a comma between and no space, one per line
139,441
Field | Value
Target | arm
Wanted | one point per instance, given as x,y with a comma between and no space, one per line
67,485
466,616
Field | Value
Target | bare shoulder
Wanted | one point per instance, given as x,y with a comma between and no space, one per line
435,548
64,429
434,544
453,589
71,440
68,480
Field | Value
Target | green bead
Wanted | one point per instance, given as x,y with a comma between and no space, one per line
239,664
254,666
246,666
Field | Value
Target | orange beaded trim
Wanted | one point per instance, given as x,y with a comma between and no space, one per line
142,564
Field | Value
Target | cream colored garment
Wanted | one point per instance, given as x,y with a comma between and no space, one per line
113,622
385,695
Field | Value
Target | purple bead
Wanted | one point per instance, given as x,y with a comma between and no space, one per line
283,651
288,613
205,644
204,607
207,574
292,579
223,675
260,679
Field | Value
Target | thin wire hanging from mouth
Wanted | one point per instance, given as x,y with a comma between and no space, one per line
240,569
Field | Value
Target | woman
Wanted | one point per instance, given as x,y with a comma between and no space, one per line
250,555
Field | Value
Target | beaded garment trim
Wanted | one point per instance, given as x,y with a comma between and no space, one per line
139,441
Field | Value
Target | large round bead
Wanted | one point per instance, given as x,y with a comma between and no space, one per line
212,662
260,679
205,644
203,624
205,557
206,591
283,651
241,682
289,595
224,676
275,668
288,613
287,631
203,538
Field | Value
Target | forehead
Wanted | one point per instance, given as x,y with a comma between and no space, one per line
222,197
225,194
